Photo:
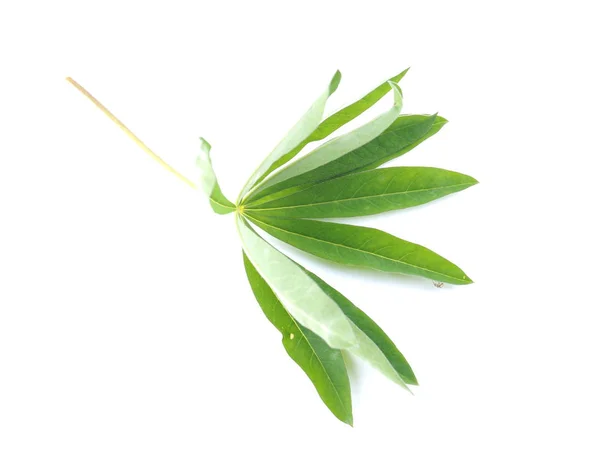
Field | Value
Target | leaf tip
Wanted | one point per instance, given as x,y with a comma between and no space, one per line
410,378
349,420
442,120
335,81
398,77
398,95
204,145
468,180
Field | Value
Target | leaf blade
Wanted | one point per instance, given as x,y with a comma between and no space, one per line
351,112
382,353
299,294
366,193
438,124
336,121
361,247
329,376
405,133
208,181
340,146
287,148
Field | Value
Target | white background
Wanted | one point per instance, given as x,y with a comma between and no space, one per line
126,320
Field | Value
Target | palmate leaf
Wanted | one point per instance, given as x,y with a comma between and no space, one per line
297,291
400,137
365,193
338,179
323,365
208,181
362,247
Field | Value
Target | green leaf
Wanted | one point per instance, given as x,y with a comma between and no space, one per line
362,247
438,123
370,192
336,148
323,365
403,135
375,346
208,181
351,112
334,122
298,292
288,147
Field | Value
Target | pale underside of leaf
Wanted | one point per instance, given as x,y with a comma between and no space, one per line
338,147
370,192
362,247
351,112
298,293
299,132
403,135
375,346
324,366
369,352
208,181
335,121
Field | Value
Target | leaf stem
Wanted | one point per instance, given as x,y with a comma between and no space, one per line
129,133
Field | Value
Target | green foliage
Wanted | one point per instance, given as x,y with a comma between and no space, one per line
361,247
292,143
374,345
208,181
400,137
365,193
297,291
322,364
339,178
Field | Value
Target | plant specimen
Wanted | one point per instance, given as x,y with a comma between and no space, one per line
339,178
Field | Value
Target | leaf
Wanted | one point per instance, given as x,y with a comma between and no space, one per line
298,292
362,247
323,365
208,181
288,147
351,112
334,122
365,193
438,123
375,346
337,179
342,145
400,137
